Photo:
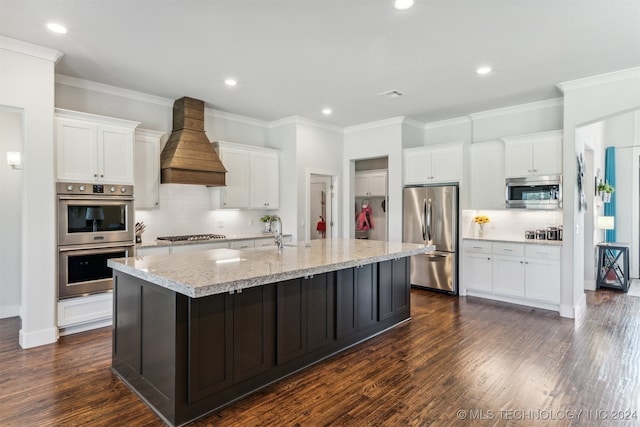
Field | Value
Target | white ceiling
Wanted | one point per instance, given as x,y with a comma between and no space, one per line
295,57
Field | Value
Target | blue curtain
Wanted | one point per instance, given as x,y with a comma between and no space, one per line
610,177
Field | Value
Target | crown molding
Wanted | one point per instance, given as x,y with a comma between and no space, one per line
628,73
79,115
373,125
112,90
148,133
299,120
235,117
34,50
448,122
520,108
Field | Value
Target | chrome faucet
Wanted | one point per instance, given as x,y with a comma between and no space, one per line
278,234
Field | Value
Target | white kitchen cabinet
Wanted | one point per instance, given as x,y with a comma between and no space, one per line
487,178
527,274
91,148
542,273
147,168
235,194
478,265
176,249
242,244
264,180
85,313
534,154
266,242
371,183
153,250
433,164
252,179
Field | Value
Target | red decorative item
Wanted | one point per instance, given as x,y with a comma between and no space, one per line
321,227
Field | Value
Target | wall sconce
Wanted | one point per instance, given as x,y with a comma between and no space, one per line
14,159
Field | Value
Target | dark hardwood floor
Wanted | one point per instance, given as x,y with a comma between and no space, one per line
487,362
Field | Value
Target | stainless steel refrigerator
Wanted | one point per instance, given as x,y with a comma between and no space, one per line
430,216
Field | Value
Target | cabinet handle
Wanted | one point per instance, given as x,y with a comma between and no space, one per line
508,250
526,262
488,259
101,175
95,175
477,247
521,262
542,253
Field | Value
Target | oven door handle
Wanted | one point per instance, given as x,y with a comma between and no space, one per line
97,249
100,198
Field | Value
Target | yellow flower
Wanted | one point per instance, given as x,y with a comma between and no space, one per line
481,219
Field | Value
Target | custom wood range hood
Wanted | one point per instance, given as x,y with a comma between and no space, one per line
188,156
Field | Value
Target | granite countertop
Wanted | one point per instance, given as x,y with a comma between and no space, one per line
516,240
229,238
216,271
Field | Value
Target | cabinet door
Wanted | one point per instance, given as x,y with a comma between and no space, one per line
176,249
477,271
258,182
320,310
346,323
76,151
542,280
264,243
211,339
378,184
487,175
272,178
394,288
236,192
115,155
366,296
446,165
242,244
518,159
254,325
547,156
291,320
417,166
361,185
159,250
508,274
147,172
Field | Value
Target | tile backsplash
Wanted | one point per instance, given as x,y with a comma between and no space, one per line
186,209
509,224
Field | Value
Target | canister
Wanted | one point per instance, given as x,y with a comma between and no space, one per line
541,234
530,234
552,233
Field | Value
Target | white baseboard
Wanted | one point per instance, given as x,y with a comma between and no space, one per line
575,311
38,338
589,285
85,327
7,311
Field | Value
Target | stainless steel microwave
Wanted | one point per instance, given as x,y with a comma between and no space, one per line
539,192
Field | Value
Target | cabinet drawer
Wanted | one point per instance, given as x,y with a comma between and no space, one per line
514,249
242,244
543,251
477,246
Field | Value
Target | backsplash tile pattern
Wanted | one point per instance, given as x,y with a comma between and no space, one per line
509,224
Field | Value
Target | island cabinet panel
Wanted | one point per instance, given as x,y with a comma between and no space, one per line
393,290
210,345
253,331
305,316
356,300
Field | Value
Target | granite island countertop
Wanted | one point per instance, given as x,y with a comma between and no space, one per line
215,271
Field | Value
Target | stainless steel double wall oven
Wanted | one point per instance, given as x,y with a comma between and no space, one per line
95,223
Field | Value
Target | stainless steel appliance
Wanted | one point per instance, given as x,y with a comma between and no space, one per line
95,223
539,192
430,216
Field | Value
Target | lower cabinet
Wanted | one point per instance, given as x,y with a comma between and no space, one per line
356,300
393,295
527,274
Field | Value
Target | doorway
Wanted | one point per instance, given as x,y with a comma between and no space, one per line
321,205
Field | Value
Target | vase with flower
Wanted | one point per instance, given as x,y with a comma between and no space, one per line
481,220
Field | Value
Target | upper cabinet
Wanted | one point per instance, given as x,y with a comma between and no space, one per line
433,164
252,176
147,168
486,177
533,154
91,148
371,183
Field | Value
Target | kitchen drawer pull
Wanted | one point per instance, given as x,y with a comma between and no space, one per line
477,247
542,253
508,250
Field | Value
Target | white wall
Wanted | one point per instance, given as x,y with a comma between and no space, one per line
11,137
377,139
27,82
586,101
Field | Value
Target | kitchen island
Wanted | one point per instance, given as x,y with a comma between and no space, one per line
193,332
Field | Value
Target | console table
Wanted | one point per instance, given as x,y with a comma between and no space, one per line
613,266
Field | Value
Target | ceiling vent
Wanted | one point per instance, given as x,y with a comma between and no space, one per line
391,94
188,157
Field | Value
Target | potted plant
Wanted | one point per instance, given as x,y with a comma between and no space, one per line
267,223
605,191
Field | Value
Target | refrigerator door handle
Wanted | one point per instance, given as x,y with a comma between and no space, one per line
429,218
424,219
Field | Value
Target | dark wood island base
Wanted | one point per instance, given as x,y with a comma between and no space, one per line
186,357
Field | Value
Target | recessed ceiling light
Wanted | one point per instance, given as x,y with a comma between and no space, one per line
231,82
483,70
57,28
402,4
326,111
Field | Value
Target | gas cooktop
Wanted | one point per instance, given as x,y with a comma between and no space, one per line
192,237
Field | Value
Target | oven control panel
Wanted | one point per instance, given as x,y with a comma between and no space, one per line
94,189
